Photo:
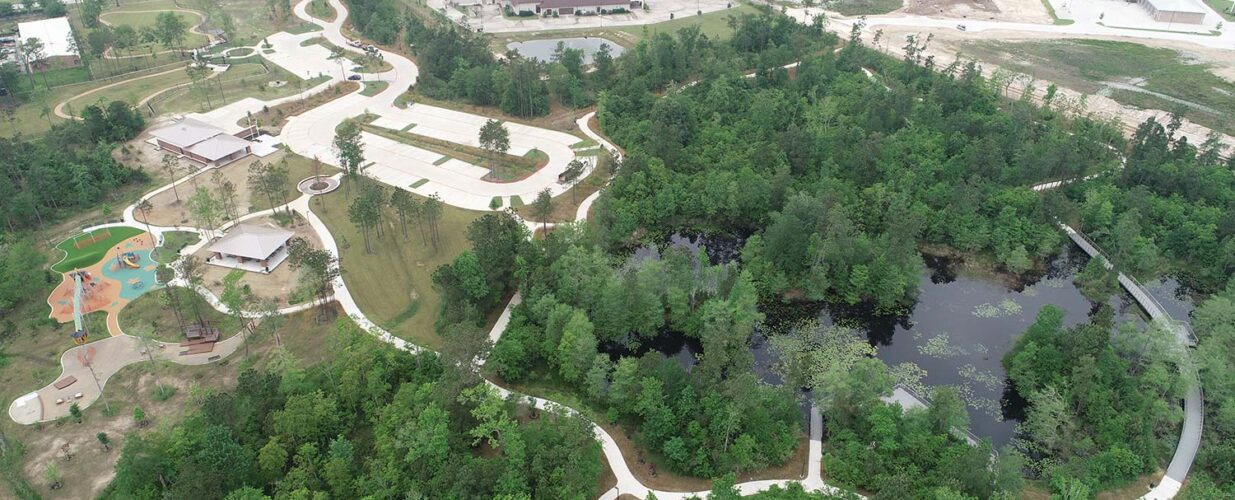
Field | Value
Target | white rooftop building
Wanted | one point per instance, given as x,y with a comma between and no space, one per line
257,249
52,33
202,142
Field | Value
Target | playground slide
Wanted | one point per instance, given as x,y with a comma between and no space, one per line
130,260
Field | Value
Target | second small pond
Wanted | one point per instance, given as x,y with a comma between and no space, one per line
542,50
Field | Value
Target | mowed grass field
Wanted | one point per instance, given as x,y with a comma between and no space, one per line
89,254
393,286
1085,66
249,79
129,14
865,7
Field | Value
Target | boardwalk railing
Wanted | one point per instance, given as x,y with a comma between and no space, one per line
924,402
1138,291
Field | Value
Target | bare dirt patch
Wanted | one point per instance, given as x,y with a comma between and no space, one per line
91,467
946,44
167,211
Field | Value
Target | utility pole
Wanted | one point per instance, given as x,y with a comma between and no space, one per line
86,361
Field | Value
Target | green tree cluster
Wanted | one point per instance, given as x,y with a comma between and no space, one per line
69,169
716,418
1214,322
1100,409
1169,209
373,423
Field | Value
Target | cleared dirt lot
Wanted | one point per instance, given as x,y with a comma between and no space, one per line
947,43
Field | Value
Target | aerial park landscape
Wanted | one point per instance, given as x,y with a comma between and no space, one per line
751,257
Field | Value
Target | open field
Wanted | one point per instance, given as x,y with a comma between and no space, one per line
865,7
1223,7
248,79
91,252
253,22
393,286
141,16
1129,73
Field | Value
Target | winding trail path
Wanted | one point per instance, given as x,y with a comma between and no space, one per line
114,353
195,29
60,112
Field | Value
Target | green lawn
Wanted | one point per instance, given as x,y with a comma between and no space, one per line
321,9
76,258
298,168
1083,65
131,92
1223,7
139,20
148,313
173,241
52,78
864,7
240,81
393,286
713,24
373,88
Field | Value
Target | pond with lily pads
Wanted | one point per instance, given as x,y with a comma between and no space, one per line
956,334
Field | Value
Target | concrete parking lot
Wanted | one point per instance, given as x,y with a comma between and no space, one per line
488,16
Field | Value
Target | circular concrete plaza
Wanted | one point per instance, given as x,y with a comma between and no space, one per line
318,185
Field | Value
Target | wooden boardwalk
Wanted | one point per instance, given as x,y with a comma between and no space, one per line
1156,312
1194,410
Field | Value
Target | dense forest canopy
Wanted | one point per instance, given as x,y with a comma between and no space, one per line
373,423
69,169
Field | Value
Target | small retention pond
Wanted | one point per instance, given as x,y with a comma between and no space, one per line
542,50
957,332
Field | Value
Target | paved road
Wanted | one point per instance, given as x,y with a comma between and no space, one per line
1079,29
311,134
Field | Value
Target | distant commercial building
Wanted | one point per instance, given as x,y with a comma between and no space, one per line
572,7
55,34
202,142
1174,11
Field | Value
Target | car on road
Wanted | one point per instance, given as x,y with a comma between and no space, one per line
960,27
353,77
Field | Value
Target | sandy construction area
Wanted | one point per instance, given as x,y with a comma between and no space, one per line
946,44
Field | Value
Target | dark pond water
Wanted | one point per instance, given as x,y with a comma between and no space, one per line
957,332
543,49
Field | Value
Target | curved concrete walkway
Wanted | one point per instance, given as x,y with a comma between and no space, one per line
117,352
195,29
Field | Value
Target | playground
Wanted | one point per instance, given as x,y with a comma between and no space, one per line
123,272
89,248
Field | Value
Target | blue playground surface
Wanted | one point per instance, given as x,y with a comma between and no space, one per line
133,281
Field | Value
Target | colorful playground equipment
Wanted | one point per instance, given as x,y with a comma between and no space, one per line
79,335
130,259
